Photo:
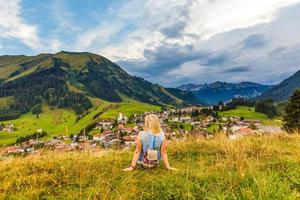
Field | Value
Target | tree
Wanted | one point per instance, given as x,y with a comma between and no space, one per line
267,107
78,108
61,102
252,126
195,113
181,126
37,109
292,116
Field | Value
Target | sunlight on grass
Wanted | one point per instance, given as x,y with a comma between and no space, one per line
251,168
129,109
246,112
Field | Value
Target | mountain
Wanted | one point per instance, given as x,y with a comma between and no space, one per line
68,79
283,90
222,91
186,96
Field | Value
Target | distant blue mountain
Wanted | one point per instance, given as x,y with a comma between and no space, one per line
222,91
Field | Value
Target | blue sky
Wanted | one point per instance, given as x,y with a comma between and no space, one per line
170,42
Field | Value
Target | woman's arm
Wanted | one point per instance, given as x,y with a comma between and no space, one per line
136,154
164,155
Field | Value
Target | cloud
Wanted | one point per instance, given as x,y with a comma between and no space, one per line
209,18
238,69
175,30
170,41
173,36
255,41
12,25
218,59
179,22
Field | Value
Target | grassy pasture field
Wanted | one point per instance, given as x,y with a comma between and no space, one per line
129,109
54,122
246,112
249,113
266,167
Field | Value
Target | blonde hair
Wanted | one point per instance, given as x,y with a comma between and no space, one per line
152,124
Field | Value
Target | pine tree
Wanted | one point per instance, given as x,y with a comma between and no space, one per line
292,116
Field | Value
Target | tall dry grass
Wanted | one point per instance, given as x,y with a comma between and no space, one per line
265,167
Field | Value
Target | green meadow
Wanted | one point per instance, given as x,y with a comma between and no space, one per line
266,167
63,121
129,108
249,113
246,112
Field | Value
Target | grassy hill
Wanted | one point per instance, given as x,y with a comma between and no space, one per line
246,112
54,122
60,78
252,168
249,113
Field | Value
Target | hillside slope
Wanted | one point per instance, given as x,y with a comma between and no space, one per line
283,90
68,79
250,168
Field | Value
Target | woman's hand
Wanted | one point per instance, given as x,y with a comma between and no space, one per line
172,169
128,169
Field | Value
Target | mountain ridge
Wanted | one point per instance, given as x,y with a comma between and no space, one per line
283,90
223,91
48,77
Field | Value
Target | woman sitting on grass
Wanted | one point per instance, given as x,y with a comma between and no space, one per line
150,146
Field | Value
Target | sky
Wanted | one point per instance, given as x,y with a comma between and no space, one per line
170,42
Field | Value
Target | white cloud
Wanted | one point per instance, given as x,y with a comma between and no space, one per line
13,26
190,69
146,17
202,18
55,44
209,18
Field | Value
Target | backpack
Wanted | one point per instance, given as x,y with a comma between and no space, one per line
151,155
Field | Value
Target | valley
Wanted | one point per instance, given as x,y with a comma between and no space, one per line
150,100
63,121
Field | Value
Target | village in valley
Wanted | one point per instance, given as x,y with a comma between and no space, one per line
122,131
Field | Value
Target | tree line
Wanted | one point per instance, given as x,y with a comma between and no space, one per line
30,137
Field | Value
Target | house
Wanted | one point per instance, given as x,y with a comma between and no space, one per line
105,125
30,150
39,130
8,127
234,128
12,150
66,137
112,142
244,131
138,118
186,118
176,119
122,119
129,140
99,138
83,138
74,144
